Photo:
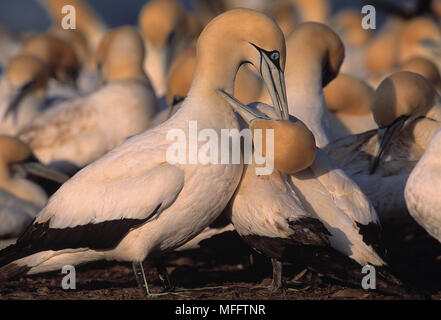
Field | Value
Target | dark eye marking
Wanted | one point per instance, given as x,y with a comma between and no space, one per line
29,85
177,99
274,56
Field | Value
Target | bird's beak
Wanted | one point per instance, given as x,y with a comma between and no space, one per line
13,105
385,135
16,97
275,83
33,167
177,102
99,74
244,111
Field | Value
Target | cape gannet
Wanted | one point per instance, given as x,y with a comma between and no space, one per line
421,192
247,86
420,36
348,23
59,55
349,109
72,134
306,208
87,20
314,56
23,90
20,198
424,67
406,107
132,203
167,31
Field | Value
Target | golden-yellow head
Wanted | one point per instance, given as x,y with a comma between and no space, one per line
294,144
402,94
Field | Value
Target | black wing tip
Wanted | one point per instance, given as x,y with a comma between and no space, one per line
389,283
8,255
309,231
11,271
372,236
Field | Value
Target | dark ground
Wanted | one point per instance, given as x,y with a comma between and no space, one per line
216,272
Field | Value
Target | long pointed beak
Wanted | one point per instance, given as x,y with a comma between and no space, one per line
13,106
100,75
244,111
275,83
385,136
174,108
37,169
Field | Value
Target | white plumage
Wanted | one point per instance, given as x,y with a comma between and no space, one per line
323,191
422,189
414,103
74,133
15,214
81,130
132,202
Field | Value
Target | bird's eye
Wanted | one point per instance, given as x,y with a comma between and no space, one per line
29,85
275,55
177,99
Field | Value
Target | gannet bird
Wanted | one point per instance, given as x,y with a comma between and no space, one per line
72,134
15,215
420,36
61,58
20,198
306,206
76,39
424,67
132,203
180,76
421,192
400,42
348,25
381,53
248,86
399,100
23,90
348,100
314,56
179,79
406,108
166,30
87,80
87,20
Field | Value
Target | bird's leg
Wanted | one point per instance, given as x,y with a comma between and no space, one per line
163,276
140,278
277,275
